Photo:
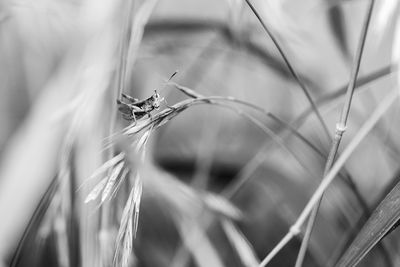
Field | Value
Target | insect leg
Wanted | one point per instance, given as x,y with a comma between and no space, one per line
166,103
132,99
134,118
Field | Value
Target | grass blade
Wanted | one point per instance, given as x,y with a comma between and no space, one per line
107,165
340,128
364,130
94,194
112,181
303,87
241,244
378,225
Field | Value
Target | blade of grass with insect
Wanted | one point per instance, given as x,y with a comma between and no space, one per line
255,121
167,114
340,128
384,105
131,36
181,106
232,189
120,83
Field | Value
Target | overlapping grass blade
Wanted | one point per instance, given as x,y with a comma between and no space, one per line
378,225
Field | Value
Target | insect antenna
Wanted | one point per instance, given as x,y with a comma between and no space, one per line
169,79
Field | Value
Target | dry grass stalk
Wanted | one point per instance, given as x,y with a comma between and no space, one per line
340,128
293,72
365,129
129,224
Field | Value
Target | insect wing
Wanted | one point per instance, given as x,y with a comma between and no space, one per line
142,103
124,108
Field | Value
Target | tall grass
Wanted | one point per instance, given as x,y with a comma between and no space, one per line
228,170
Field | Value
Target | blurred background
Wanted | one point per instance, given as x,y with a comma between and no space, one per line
217,189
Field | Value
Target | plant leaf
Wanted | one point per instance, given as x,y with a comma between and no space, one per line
112,181
96,191
106,165
241,244
378,225
128,225
221,205
338,27
196,241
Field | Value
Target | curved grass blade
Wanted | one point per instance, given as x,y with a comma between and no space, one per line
197,242
242,246
296,77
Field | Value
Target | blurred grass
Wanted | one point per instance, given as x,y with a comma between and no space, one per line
61,62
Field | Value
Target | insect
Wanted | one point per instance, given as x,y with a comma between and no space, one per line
134,109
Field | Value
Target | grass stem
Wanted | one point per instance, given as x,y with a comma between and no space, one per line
365,129
291,69
340,129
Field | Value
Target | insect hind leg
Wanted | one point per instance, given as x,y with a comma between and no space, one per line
128,97
134,118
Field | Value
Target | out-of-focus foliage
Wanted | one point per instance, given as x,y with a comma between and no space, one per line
219,189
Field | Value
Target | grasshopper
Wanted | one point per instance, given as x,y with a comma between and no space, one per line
134,109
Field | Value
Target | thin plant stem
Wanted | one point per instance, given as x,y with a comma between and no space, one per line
278,248
381,109
216,101
291,69
346,178
340,129
337,94
119,86
332,174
